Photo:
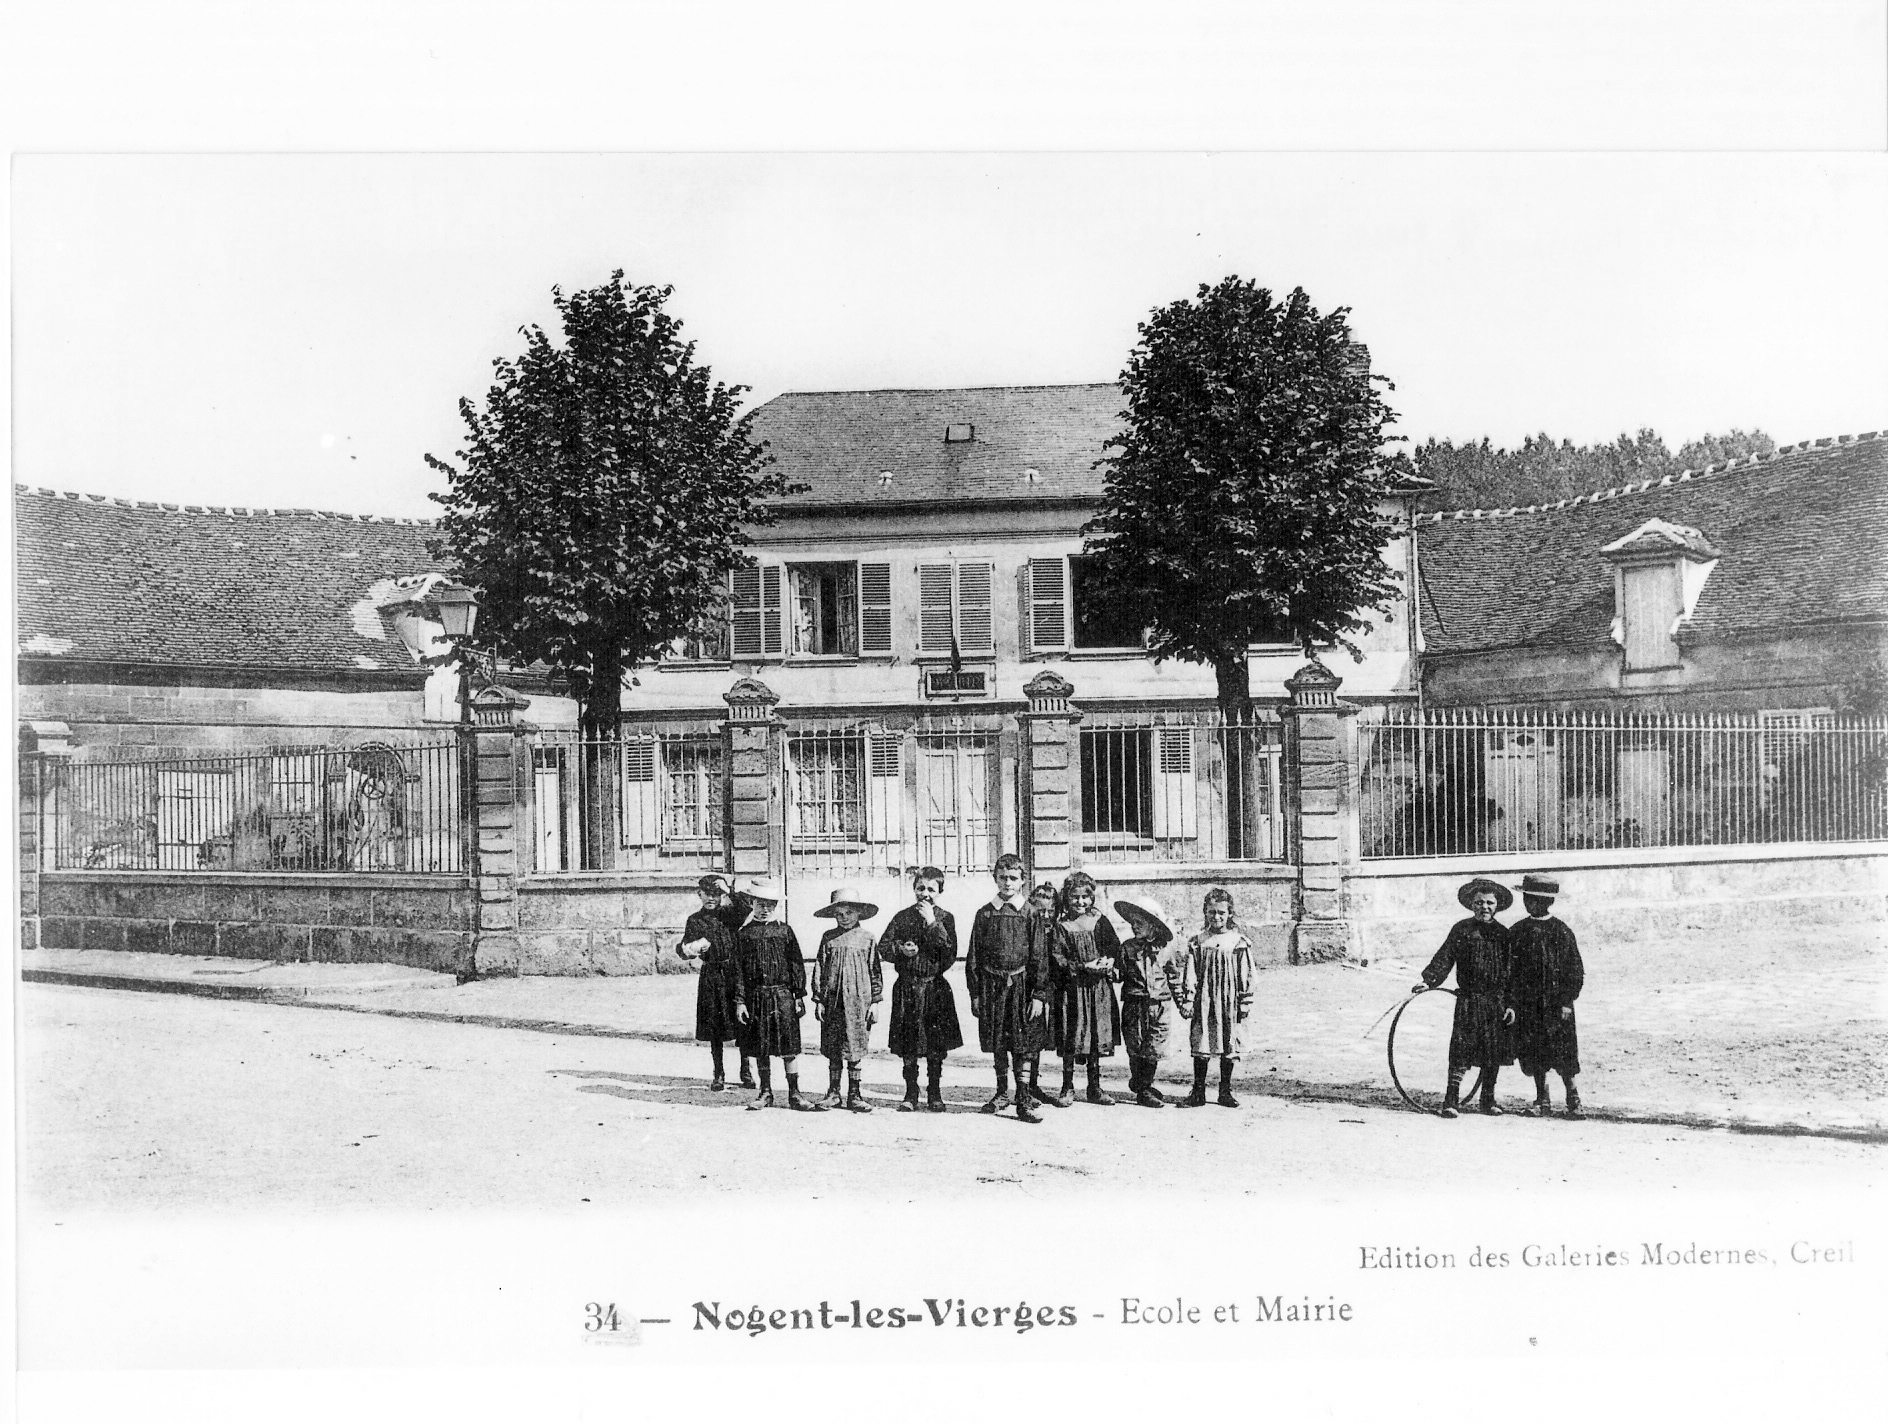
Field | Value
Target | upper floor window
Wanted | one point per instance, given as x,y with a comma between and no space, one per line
825,609
954,608
1064,610
832,609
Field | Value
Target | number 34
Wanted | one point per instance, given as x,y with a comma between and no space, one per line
600,1317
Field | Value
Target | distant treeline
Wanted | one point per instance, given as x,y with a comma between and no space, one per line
1542,470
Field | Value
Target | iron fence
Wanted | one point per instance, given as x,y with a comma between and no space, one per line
371,807
1471,781
1181,786
655,799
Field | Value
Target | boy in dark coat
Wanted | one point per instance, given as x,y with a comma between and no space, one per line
709,937
1006,970
769,993
1153,984
921,943
1547,978
1477,949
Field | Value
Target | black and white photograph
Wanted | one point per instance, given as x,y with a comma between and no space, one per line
868,762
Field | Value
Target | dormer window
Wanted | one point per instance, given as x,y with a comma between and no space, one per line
959,434
1658,572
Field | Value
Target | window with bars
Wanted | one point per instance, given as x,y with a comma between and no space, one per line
692,772
828,791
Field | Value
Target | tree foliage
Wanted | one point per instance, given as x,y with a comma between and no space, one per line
1242,497
1542,470
600,499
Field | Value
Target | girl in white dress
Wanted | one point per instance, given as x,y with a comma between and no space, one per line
1218,996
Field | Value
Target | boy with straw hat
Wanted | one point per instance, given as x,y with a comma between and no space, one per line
1477,950
1152,983
846,990
1548,977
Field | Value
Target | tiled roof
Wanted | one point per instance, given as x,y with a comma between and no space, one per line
843,443
1802,533
135,582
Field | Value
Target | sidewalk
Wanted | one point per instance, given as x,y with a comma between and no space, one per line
1765,1036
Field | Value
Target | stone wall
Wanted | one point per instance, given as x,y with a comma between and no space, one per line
603,923
1404,908
1262,897
418,920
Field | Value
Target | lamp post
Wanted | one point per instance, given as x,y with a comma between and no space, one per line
458,612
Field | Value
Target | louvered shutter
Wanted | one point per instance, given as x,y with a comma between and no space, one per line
974,631
935,617
772,621
885,788
641,811
744,612
1048,605
875,608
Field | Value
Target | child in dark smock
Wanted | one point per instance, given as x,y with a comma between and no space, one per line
1085,952
921,942
770,993
1007,974
846,990
709,937
1547,976
1152,984
1477,950
1044,904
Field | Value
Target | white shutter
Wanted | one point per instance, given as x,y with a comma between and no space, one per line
642,814
875,608
884,787
935,608
1048,604
1176,790
975,633
744,613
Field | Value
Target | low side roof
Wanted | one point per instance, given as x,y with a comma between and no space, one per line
134,582
1802,534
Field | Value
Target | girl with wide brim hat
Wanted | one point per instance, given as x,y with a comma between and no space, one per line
1504,897
847,895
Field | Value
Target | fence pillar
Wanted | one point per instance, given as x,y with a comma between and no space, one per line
44,747
492,851
1320,811
757,841
1051,760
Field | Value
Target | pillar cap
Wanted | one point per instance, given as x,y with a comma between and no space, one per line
1049,693
497,706
1313,688
48,738
750,700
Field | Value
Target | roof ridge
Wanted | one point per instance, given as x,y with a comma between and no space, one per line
1713,471
231,510
945,390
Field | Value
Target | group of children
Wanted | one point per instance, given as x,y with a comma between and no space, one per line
1515,987
1040,969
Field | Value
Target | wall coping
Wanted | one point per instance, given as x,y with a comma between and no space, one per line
1618,857
1176,870
274,879
613,879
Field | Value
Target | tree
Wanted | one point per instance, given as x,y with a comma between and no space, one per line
1242,498
599,503
1542,470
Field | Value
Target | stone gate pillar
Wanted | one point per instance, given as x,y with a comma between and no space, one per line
497,747
757,842
44,747
1050,762
1320,811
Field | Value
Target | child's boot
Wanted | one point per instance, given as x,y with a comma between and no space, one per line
764,1097
1095,1094
1226,1099
1197,1098
1574,1110
1488,1104
832,1098
910,1104
747,1071
1036,1094
855,1100
1025,1103
1145,1093
1067,1095
1452,1099
794,1100
1001,1099
1540,1107
933,1088
720,1083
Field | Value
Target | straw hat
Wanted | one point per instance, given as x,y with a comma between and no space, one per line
1545,886
847,895
760,888
1504,897
1143,912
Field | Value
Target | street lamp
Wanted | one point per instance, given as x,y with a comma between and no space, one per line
458,612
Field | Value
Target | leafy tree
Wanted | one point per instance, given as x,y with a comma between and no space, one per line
1242,498
599,504
1542,470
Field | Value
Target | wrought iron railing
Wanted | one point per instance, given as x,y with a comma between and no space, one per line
1181,786
669,789
1473,781
368,807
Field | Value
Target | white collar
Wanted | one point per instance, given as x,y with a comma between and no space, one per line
1003,902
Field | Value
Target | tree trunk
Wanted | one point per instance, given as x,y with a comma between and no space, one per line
1245,762
601,728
